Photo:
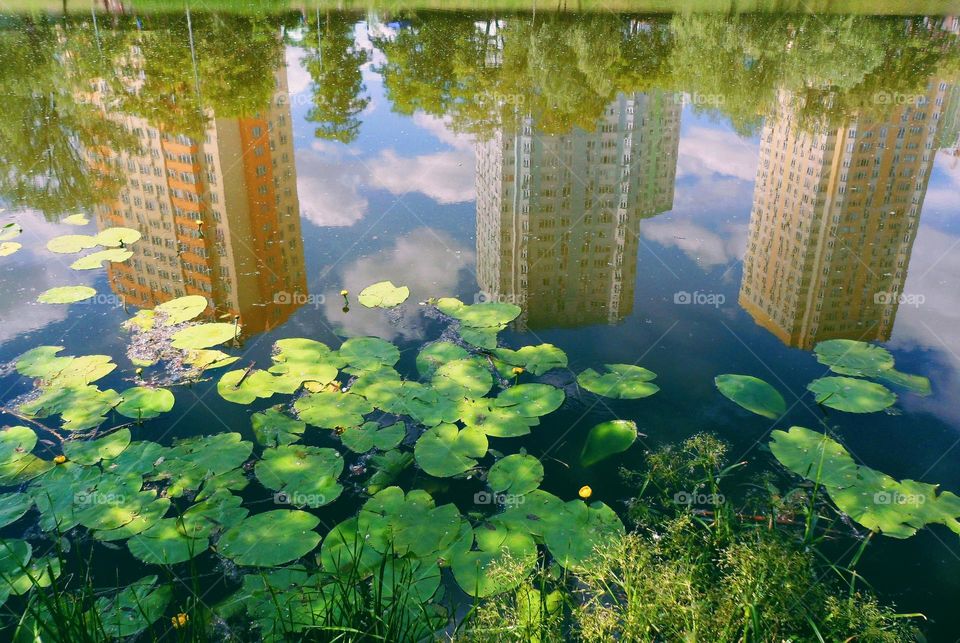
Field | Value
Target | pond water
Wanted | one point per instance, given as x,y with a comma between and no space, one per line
696,194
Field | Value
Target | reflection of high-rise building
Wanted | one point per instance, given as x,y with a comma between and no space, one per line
558,217
835,214
219,215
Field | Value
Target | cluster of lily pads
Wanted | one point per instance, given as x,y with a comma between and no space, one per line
173,503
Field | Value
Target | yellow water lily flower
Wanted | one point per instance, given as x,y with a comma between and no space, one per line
585,492
60,459
180,620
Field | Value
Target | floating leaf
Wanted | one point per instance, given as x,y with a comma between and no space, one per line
433,356
14,557
66,294
531,400
95,260
516,474
535,359
500,422
205,359
43,363
13,506
371,435
753,394
117,237
16,442
368,353
273,428
165,543
480,337
814,456
329,410
181,309
204,335
383,294
490,314
408,524
574,534
143,402
7,248
445,451
80,406
388,467
245,386
345,550
78,219
71,243
271,538
623,381
462,378
850,357
147,514
10,231
606,439
306,476
89,452
851,395
297,354
133,609
495,543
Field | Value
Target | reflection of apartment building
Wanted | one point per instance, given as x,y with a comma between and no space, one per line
835,214
558,217
219,215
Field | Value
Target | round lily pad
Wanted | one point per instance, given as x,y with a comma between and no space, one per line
623,381
479,315
850,357
445,451
851,395
573,534
181,309
329,409
243,387
16,442
368,353
408,524
13,506
606,439
305,476
535,359
143,402
383,294
204,335
7,248
89,452
273,427
95,260
753,394
270,538
371,435
516,474
117,237
531,400
10,231
462,378
496,542
71,243
345,549
66,294
133,609
814,456
78,219
433,356
496,421
165,543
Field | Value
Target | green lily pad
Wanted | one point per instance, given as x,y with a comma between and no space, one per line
500,422
165,543
71,243
851,395
573,534
388,467
16,442
408,524
13,506
147,514
79,406
490,314
205,359
531,400
462,378
7,248
43,363
329,410
273,427
495,543
305,476
133,609
485,337
78,219
850,357
753,394
446,451
23,469
217,512
607,439
371,435
117,237
814,456
368,354
243,387
10,231
271,538
433,356
913,383
383,294
66,295
138,458
623,381
204,335
516,474
297,354
346,550
535,359
14,558
181,309
193,461
143,403
95,260
89,452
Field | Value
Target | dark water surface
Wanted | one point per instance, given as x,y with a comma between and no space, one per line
698,194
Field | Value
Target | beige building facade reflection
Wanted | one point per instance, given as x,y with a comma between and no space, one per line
219,215
835,214
558,217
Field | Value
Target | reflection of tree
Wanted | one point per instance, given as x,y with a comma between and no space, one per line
563,71
334,65
44,125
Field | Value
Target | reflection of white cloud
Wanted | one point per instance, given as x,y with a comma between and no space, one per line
426,261
704,246
298,79
441,130
933,325
446,177
329,188
703,152
944,188
32,270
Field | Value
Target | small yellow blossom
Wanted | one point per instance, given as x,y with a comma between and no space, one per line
517,370
344,292
60,459
585,492
179,621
